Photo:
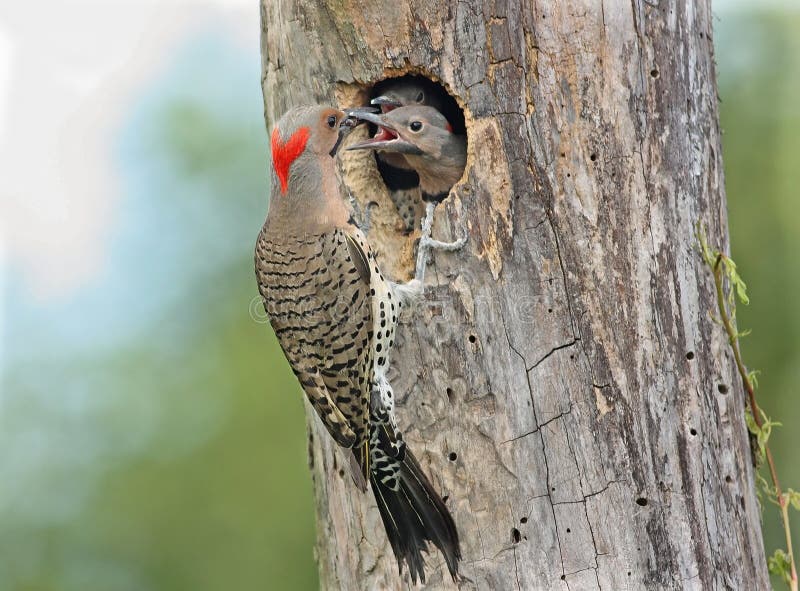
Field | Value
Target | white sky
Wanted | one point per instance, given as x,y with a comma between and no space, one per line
65,83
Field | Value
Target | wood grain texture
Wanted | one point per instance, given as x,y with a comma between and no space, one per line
544,380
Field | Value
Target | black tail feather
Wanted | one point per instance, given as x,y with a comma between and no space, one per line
415,515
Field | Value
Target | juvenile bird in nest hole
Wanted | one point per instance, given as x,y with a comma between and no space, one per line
399,175
423,139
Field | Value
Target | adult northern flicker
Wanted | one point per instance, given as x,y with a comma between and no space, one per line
425,140
400,177
335,315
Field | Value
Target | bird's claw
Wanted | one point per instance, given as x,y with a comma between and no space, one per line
426,243
430,243
362,217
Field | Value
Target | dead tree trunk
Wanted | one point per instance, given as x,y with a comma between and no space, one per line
562,382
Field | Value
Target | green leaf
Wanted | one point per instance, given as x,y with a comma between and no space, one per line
762,433
736,280
751,422
793,498
764,486
765,432
780,566
708,255
741,291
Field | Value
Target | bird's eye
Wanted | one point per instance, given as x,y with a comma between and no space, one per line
415,126
420,97
331,121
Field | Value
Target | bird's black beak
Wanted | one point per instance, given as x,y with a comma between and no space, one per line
386,103
388,137
350,121
370,117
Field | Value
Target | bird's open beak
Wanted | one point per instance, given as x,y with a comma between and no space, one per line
386,103
387,138
349,122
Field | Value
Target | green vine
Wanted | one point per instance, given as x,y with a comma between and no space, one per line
730,286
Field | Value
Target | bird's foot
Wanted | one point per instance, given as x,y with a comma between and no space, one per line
426,243
362,217
446,246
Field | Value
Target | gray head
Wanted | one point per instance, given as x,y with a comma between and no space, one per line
425,138
403,92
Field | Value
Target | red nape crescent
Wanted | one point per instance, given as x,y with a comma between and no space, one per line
284,153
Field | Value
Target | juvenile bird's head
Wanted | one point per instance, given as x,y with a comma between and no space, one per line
406,93
426,140
304,142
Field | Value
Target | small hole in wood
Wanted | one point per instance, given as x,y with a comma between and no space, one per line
515,535
641,501
654,73
523,520
690,355
728,479
693,431
553,489
472,338
629,573
722,388
453,456
549,310
593,157
341,473
569,531
445,497
450,395
563,577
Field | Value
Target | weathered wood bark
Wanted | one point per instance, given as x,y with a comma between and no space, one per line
562,381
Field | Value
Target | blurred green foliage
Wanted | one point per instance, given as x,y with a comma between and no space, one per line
758,57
